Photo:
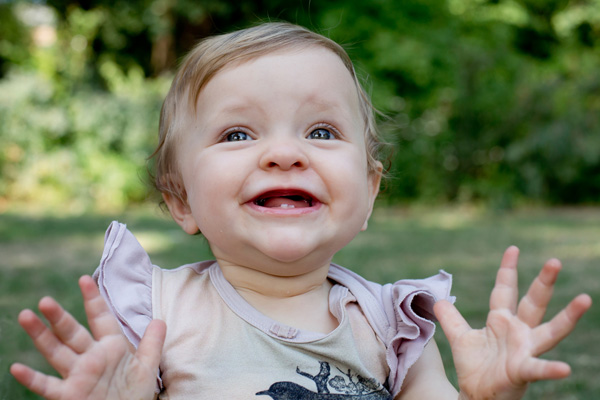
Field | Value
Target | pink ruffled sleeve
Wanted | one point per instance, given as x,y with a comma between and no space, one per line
401,314
409,307
124,278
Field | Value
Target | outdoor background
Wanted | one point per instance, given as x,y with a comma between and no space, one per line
491,109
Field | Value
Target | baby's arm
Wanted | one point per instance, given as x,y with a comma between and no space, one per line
500,360
102,366
426,379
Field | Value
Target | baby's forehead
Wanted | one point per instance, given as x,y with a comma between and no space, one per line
308,64
274,57
312,76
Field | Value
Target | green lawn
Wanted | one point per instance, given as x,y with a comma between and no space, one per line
46,255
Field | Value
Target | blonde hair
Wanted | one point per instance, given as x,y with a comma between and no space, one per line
211,55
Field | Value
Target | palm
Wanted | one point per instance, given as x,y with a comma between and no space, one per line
96,375
498,361
102,366
485,353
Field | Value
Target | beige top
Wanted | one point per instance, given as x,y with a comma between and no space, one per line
220,347
224,349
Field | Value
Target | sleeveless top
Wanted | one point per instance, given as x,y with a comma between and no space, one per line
219,346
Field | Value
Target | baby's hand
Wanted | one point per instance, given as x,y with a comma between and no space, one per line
99,367
498,361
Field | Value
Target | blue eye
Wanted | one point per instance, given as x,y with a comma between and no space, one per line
321,134
237,136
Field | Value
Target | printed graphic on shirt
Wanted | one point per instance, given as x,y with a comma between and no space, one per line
343,386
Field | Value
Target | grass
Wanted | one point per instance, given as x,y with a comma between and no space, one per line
45,256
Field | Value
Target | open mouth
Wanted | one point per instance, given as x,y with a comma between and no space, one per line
285,199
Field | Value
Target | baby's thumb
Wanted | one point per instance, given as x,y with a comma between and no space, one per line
452,322
150,349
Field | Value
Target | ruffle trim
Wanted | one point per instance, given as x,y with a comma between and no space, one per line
127,284
401,314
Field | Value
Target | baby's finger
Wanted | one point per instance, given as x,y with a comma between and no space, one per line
102,322
150,349
54,351
44,385
548,335
535,369
65,327
505,293
452,322
532,307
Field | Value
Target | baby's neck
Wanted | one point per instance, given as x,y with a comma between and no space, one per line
300,301
259,283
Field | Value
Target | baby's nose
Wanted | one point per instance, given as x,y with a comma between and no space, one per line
284,155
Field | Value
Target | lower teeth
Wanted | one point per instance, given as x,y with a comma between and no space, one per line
287,206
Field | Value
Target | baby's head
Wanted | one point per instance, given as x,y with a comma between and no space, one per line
213,54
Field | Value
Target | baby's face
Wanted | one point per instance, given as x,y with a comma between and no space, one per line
274,164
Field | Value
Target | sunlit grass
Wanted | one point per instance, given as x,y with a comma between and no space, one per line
46,255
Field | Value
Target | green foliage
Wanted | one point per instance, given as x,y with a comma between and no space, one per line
479,106
485,100
77,151
13,39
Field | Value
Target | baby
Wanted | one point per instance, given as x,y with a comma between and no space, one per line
268,147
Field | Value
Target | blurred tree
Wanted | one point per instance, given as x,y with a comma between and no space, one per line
491,100
155,33
14,40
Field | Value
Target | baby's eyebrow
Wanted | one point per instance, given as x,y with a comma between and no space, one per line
320,101
239,108
315,104
331,107
325,101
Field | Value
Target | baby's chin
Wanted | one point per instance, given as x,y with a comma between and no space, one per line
286,248
284,259
291,254
288,259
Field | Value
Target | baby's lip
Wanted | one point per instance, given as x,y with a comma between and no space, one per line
285,198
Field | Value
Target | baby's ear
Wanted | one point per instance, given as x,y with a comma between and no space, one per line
181,212
374,183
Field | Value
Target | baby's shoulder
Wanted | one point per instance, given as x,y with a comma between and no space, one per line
188,287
